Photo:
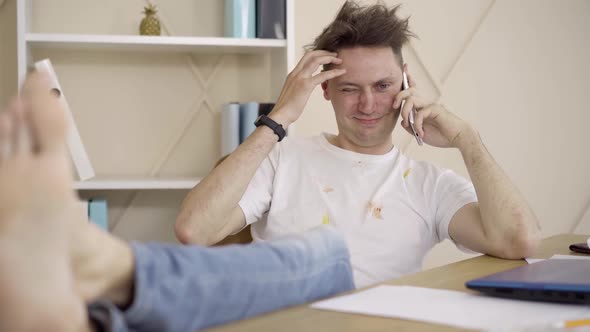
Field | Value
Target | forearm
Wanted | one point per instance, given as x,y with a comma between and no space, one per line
210,209
506,217
206,209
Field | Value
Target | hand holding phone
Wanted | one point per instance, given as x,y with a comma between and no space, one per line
406,85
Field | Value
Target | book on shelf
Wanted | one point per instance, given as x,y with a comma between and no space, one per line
265,108
78,153
237,123
248,115
96,209
270,19
240,18
98,213
230,128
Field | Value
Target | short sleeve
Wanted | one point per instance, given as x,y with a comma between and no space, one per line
258,195
451,192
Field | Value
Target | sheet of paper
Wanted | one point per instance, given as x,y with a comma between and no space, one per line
570,257
460,309
535,260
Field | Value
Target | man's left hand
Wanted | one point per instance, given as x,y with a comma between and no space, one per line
436,125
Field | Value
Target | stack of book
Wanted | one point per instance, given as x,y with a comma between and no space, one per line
255,19
237,123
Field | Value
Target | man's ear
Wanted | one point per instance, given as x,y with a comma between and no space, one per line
325,89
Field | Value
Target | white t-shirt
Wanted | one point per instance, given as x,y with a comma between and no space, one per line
391,210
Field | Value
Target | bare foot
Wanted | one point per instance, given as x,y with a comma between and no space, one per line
37,287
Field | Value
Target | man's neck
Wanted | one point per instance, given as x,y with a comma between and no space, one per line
378,149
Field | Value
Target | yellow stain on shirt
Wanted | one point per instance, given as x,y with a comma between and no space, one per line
326,219
328,189
377,213
406,173
375,210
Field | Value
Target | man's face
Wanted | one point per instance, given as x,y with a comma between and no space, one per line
362,98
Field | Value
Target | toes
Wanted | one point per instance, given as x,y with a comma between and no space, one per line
44,114
21,137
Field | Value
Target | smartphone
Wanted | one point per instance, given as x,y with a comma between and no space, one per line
580,247
406,85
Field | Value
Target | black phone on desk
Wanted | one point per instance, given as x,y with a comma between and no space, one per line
580,248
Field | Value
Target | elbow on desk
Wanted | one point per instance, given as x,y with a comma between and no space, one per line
521,245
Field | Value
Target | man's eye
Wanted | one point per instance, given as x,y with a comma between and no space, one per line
348,90
384,86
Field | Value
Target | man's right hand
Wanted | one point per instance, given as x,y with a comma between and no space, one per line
300,84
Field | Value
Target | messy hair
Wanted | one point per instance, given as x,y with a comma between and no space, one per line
366,26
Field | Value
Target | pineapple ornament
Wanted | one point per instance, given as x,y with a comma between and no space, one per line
150,25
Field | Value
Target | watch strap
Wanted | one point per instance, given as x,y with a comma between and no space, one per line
277,128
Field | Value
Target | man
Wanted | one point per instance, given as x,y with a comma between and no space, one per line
392,210
55,263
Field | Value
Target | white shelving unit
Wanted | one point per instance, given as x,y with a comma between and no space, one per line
29,41
136,184
151,43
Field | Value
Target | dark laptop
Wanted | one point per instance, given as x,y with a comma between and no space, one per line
553,280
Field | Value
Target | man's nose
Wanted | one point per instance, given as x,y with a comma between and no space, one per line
366,102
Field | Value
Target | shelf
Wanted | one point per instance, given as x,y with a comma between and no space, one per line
136,184
152,43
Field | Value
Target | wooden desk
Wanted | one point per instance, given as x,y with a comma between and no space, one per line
452,276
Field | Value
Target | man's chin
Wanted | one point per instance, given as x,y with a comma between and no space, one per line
370,139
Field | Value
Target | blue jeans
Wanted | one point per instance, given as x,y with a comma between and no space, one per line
187,288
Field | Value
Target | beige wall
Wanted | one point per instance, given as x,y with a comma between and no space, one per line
517,70
8,76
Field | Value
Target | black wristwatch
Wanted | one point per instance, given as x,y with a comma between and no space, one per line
270,123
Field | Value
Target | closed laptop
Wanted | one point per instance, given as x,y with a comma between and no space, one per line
553,280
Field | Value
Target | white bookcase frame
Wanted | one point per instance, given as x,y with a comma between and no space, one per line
28,42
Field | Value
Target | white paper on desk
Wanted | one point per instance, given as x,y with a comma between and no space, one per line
570,257
535,260
460,309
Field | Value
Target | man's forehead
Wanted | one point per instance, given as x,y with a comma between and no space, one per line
376,74
341,81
